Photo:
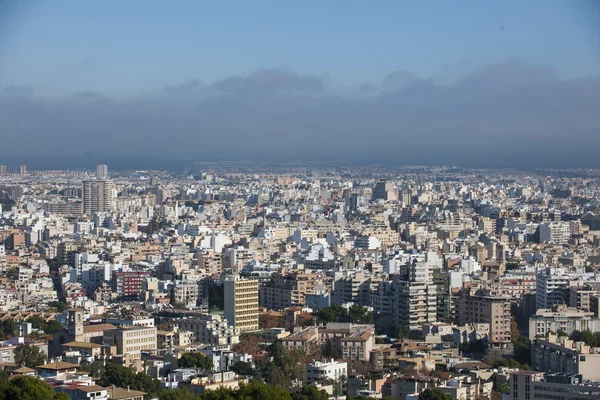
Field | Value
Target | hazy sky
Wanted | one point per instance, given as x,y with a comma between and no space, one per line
437,81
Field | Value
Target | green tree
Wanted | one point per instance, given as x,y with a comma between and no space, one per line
522,350
403,332
29,356
28,388
196,360
335,313
310,393
7,328
502,387
475,346
118,375
59,306
177,394
53,326
340,386
360,315
243,368
329,350
589,338
434,394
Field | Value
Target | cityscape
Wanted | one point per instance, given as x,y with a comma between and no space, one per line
320,282
271,200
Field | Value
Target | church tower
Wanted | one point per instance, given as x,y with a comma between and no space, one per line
75,324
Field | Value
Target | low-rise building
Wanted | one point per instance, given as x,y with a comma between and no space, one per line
561,318
327,370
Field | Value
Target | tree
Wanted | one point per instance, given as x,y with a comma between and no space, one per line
196,360
118,375
340,386
7,328
522,350
308,322
403,332
502,387
335,313
53,326
269,321
28,388
360,315
59,306
514,329
329,350
589,338
475,346
177,394
29,356
243,368
310,393
248,344
434,394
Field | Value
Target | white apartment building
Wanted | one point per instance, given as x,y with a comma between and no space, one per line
210,329
319,371
551,285
557,232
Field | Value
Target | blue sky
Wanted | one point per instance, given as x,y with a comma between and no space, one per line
438,82
126,47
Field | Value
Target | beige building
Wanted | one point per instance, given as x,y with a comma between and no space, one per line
483,306
286,290
130,341
241,302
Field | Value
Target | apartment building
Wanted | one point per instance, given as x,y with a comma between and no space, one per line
485,306
560,354
552,287
186,293
286,290
241,302
209,329
318,371
129,284
415,303
531,385
97,196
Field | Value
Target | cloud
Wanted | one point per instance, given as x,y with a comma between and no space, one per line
16,90
509,113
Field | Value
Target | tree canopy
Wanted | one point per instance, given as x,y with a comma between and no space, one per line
589,338
196,360
27,388
29,356
434,394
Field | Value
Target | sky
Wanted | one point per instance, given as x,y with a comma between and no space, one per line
408,82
